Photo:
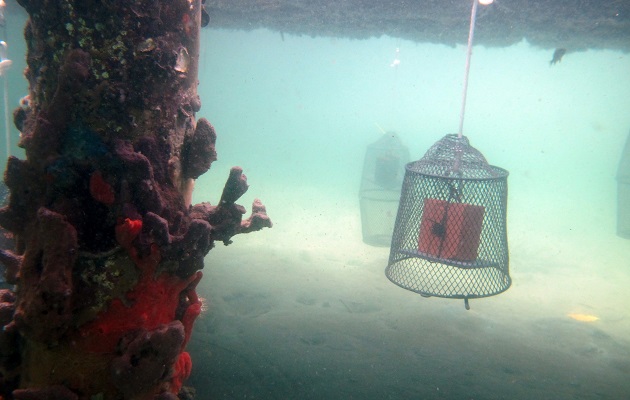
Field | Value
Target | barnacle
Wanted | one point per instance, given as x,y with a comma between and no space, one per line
183,60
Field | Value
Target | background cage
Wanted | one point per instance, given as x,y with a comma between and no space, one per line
383,171
450,235
623,192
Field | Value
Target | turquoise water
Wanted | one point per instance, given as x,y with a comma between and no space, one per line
303,310
303,110
13,35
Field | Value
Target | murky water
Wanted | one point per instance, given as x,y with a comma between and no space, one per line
304,310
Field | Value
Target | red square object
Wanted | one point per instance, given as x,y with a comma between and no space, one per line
450,230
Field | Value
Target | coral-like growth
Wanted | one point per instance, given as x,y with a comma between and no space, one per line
198,151
146,357
183,368
100,190
9,344
154,300
127,231
44,297
108,249
12,264
56,392
226,218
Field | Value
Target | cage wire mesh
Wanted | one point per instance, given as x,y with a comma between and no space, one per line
450,234
383,171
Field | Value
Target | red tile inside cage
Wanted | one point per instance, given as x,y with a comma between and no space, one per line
450,230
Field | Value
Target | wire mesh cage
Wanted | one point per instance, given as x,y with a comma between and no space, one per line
450,236
383,171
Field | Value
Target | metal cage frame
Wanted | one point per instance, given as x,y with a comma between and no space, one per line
455,181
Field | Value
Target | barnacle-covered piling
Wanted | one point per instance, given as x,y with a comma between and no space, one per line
108,248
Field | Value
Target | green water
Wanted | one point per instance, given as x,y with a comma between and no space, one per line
304,310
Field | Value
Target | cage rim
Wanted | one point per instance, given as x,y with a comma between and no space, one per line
455,296
501,174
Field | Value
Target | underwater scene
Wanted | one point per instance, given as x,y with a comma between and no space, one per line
304,310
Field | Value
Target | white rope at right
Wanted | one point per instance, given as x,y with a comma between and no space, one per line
471,34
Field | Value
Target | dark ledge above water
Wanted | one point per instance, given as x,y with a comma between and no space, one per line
572,24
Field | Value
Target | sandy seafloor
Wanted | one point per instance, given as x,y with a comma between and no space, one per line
304,310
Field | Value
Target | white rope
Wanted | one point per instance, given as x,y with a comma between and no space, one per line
471,34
